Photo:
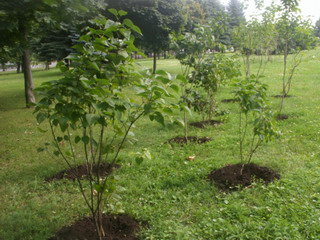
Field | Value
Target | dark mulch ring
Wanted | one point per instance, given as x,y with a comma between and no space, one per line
116,227
203,124
230,100
184,140
281,96
229,178
281,117
82,171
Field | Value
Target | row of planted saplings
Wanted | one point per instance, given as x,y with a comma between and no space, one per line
91,113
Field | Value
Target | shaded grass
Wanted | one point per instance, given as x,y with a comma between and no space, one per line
172,194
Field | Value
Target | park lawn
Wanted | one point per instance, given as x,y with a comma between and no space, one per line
170,193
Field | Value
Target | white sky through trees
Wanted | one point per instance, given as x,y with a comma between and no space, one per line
309,8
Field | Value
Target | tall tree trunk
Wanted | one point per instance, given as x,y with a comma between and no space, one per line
26,64
154,62
22,67
47,65
3,66
18,67
28,83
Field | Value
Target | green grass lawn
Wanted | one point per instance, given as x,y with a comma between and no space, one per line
170,193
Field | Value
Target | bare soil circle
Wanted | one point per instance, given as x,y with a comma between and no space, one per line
230,100
203,124
229,178
81,171
281,117
189,139
281,96
116,227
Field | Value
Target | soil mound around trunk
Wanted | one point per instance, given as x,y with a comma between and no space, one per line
186,140
230,100
203,124
281,117
229,178
116,227
82,171
281,96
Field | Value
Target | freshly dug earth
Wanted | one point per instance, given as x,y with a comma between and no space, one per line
184,140
203,124
281,117
229,178
230,100
82,171
281,96
116,227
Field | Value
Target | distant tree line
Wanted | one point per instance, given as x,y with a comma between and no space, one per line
45,30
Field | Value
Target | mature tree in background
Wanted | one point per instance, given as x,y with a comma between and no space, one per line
235,11
10,55
212,7
20,19
4,57
317,28
54,45
156,19
193,13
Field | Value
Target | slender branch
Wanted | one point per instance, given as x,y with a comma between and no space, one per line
118,151
70,166
254,150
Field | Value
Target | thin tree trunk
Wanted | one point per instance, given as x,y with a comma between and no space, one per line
28,82
3,66
18,67
284,76
154,62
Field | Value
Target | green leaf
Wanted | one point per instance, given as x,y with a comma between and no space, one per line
94,65
122,13
56,153
182,78
159,118
147,107
186,108
41,117
167,110
180,122
164,80
92,118
175,88
85,139
161,72
113,11
41,130
77,139
130,24
139,160
123,53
